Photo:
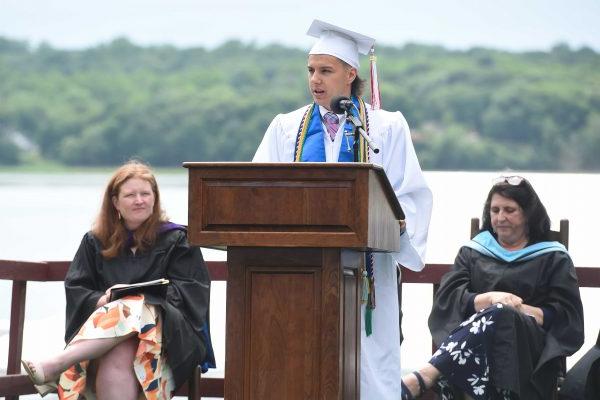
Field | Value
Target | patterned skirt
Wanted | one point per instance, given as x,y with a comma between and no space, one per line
118,318
476,347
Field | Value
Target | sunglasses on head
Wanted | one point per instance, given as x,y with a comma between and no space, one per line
511,180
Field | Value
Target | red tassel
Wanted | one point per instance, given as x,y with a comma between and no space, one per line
375,95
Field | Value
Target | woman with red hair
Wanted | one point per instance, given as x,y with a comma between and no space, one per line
142,343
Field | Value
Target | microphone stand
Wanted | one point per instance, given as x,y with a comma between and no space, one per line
358,132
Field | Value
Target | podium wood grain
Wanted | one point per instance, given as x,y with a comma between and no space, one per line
292,205
295,235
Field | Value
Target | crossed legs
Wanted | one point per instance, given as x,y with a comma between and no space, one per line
115,377
115,359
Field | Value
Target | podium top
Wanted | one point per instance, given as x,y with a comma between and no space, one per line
348,205
310,165
307,165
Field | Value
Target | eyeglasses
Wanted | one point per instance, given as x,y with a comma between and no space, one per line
511,180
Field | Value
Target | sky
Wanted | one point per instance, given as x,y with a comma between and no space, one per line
515,25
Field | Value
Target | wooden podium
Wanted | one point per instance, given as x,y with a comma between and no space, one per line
295,235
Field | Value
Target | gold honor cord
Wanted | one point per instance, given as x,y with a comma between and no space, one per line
302,133
363,155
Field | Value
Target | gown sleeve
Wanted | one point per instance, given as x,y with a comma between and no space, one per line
189,288
83,286
452,299
270,147
566,334
185,329
408,181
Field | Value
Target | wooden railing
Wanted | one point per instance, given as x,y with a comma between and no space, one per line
20,272
432,274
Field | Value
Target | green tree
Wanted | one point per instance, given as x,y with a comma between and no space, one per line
475,109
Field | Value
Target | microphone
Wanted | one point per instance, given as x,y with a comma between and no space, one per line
341,104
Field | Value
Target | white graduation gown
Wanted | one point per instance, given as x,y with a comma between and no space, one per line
380,352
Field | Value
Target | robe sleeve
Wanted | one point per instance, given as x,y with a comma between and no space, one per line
271,147
452,300
408,181
186,308
566,334
189,290
83,286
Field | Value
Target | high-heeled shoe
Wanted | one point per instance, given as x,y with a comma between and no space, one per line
407,395
37,377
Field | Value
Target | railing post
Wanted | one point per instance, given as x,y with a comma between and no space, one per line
564,232
17,321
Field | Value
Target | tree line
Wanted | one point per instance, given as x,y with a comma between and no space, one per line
478,109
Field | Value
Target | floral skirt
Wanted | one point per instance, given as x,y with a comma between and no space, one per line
463,358
119,318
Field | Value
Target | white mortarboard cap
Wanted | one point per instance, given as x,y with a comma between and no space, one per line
339,42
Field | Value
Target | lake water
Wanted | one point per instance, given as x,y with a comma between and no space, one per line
43,217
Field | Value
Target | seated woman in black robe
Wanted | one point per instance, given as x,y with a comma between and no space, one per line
147,342
507,311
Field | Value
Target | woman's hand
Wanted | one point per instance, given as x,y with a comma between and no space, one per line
484,300
105,297
534,312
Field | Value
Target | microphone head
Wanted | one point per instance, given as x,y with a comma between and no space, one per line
339,104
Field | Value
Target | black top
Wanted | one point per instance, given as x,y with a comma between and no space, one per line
186,305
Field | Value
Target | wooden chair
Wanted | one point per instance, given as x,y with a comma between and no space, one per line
561,236
193,383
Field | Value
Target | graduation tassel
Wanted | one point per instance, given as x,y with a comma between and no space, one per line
370,284
365,298
371,302
365,287
368,321
375,95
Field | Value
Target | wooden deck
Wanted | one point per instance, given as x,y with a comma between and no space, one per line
20,272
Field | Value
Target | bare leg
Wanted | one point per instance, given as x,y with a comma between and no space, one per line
116,378
85,349
430,375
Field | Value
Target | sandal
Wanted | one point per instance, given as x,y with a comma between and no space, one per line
407,395
37,377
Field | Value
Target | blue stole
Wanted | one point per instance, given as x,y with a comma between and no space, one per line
313,148
486,244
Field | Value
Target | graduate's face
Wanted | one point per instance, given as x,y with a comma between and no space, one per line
508,221
328,77
135,202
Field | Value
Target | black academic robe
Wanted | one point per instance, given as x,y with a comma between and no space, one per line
186,305
548,280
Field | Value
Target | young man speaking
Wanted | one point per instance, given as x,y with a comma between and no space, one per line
314,133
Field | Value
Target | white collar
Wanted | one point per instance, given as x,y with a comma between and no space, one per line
324,111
